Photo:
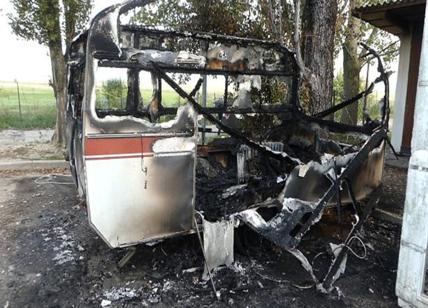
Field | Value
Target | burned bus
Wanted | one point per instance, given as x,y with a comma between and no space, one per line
150,167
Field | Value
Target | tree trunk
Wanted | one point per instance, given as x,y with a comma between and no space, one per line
60,89
318,50
351,67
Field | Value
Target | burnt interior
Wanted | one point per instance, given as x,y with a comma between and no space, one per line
260,156
232,174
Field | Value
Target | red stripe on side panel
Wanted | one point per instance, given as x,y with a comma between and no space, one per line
112,146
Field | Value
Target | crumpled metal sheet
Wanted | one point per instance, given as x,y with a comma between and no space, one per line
145,57
282,228
218,244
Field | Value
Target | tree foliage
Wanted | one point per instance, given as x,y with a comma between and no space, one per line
48,21
234,17
263,19
52,23
114,91
386,44
349,33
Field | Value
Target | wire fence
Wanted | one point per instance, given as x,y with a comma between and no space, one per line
24,105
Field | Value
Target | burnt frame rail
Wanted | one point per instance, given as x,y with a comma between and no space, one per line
369,125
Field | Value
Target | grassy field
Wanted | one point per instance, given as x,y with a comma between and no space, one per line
169,99
38,105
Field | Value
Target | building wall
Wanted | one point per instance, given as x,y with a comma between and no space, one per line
415,57
401,90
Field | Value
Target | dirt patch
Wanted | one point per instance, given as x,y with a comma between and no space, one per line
53,258
394,190
28,145
32,151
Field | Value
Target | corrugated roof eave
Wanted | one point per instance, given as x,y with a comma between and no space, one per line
384,4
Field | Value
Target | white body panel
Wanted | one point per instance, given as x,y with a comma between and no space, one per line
141,198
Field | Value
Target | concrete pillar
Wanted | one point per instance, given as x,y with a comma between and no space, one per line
420,128
414,238
414,235
401,91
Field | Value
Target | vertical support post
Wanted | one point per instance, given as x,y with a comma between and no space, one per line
19,99
226,90
365,97
160,90
401,91
204,104
225,98
414,236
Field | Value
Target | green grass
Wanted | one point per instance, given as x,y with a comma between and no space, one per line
169,98
37,106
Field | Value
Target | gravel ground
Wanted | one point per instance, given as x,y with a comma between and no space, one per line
50,257
18,145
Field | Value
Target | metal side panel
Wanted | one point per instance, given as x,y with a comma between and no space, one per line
139,191
364,180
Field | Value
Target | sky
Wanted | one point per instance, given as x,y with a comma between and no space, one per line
29,62
23,60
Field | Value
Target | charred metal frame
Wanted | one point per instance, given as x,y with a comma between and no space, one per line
101,45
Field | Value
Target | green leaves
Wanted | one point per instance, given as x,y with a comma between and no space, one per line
372,36
49,21
234,17
113,94
76,15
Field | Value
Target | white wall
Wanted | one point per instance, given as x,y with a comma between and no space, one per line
401,91
412,263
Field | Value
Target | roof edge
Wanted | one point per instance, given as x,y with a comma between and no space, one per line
383,5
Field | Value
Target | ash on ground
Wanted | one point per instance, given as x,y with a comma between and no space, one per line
50,257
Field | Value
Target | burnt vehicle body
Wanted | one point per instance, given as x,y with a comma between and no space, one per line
145,174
